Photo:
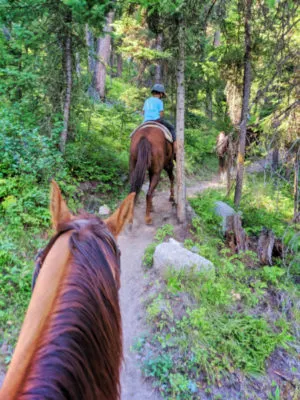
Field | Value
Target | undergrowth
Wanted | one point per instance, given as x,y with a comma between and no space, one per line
161,234
209,329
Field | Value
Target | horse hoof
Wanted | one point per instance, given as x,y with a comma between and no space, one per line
148,220
171,199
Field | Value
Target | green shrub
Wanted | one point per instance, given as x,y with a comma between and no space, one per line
161,234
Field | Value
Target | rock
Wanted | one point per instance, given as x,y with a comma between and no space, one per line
145,187
104,210
223,210
194,249
173,254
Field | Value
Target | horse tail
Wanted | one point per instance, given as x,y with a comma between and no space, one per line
142,164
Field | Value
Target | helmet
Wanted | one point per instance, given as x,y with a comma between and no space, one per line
158,88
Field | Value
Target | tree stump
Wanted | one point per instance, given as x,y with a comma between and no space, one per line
265,246
235,235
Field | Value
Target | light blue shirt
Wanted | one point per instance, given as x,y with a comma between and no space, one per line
152,108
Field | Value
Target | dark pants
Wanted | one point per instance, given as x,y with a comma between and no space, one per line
169,126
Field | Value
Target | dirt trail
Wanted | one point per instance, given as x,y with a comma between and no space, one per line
132,244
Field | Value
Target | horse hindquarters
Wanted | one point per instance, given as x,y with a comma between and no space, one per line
143,162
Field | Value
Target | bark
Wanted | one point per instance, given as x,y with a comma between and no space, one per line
181,191
275,158
265,247
78,66
158,68
90,42
119,65
217,38
209,104
141,70
296,187
230,159
91,49
234,101
103,56
235,235
245,105
68,75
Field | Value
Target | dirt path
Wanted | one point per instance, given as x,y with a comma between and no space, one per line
132,244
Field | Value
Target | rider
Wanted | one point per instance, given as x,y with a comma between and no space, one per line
153,110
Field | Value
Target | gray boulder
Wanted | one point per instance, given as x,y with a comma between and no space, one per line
104,210
173,254
223,210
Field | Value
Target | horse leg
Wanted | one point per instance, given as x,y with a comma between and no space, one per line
169,170
153,184
150,180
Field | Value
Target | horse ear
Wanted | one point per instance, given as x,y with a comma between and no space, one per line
124,213
58,207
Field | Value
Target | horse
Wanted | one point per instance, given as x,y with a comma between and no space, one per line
221,149
149,150
70,345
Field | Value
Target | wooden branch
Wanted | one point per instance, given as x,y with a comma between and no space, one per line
284,377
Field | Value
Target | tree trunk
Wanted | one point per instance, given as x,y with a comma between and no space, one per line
265,246
158,68
68,75
245,106
78,66
236,238
141,71
296,187
217,39
90,43
119,65
230,158
91,49
275,159
103,56
181,195
209,104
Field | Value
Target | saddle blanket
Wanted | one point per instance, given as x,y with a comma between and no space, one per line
153,124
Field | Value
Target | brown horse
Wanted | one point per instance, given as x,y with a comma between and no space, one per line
70,345
150,151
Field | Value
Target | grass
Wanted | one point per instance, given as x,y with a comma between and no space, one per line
161,234
207,329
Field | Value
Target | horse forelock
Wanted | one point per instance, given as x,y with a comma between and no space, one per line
79,353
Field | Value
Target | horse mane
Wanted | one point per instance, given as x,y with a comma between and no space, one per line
79,353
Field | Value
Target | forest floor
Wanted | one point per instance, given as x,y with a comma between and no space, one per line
134,283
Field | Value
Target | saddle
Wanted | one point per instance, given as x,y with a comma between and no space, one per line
154,124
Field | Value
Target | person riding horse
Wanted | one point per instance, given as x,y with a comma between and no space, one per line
153,110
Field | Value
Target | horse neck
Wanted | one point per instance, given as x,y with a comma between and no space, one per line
70,345
41,304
